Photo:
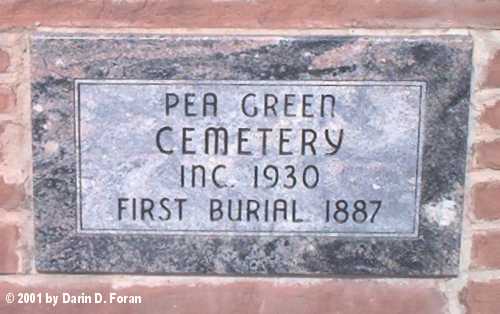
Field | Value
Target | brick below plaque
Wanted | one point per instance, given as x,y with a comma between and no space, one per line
250,155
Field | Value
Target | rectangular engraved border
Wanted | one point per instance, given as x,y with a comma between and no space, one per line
416,214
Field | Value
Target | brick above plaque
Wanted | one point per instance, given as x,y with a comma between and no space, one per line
249,155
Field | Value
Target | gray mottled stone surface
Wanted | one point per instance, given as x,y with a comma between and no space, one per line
441,64
369,154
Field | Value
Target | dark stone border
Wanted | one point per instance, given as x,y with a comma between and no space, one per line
444,63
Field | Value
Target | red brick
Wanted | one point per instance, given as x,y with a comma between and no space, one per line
9,236
486,250
493,72
491,116
262,297
481,297
486,199
4,61
488,155
252,14
12,196
7,99
342,296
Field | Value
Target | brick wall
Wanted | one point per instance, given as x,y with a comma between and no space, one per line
476,290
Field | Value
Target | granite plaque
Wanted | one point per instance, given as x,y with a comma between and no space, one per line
249,155
277,157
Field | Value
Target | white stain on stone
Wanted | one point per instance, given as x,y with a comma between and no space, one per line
59,62
38,108
443,213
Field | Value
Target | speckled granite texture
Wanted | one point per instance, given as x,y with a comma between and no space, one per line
443,63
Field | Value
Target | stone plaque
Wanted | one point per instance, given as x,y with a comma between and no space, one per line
277,157
249,155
